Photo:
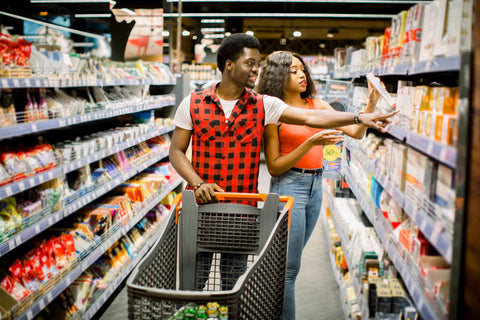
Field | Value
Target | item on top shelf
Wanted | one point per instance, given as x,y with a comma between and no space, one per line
413,34
397,38
381,89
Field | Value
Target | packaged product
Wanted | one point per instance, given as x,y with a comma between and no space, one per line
14,288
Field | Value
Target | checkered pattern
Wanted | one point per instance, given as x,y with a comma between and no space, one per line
227,152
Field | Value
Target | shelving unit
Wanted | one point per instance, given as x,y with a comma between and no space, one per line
37,224
84,261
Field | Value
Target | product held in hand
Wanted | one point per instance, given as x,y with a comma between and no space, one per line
381,89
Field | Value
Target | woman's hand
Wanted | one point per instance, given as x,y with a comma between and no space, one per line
325,137
206,193
376,120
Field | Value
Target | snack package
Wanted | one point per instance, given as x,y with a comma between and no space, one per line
59,253
14,288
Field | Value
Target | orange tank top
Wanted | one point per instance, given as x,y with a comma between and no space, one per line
291,136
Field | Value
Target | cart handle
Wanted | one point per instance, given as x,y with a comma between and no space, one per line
240,197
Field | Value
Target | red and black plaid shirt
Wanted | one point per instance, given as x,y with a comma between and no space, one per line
227,152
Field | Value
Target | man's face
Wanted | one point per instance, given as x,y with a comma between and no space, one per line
245,69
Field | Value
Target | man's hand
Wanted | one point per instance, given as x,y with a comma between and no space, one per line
376,120
206,193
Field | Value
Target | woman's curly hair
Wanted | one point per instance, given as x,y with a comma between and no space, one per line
273,80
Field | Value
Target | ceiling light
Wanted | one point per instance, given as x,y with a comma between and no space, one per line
227,34
250,33
206,30
83,44
283,41
281,15
212,21
52,25
317,1
93,15
194,37
297,33
165,33
130,12
329,35
185,33
322,45
214,36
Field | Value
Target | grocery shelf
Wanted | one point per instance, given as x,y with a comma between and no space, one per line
97,252
398,132
431,229
39,178
44,125
46,222
19,83
100,301
435,65
428,307
438,151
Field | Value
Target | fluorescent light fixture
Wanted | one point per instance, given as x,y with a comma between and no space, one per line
130,12
297,33
322,45
214,36
227,34
73,1
185,33
51,25
282,15
317,1
83,44
250,32
329,35
194,37
165,33
206,30
212,21
93,15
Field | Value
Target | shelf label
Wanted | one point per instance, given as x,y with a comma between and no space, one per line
29,314
41,304
11,244
8,191
34,127
37,229
437,230
49,297
430,147
16,83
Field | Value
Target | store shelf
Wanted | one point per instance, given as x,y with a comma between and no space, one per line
44,125
39,178
100,301
46,222
436,150
19,83
436,65
96,253
431,228
429,308
397,132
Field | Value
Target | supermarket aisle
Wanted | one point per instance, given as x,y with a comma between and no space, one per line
317,292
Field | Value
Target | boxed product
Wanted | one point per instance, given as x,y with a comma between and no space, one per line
420,176
445,193
397,37
440,26
429,26
413,34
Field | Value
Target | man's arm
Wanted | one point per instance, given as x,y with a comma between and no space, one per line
333,119
181,139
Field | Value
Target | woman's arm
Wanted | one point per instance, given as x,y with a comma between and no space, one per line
278,164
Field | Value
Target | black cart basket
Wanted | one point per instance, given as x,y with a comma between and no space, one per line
230,253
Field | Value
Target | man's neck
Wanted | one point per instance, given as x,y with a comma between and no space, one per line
229,91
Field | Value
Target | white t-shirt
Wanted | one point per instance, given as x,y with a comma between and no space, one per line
273,107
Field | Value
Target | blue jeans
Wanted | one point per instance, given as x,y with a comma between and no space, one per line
307,192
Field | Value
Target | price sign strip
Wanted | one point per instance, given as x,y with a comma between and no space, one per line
427,308
45,299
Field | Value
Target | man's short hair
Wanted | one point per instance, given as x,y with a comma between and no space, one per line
232,47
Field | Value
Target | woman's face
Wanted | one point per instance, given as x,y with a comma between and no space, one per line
297,80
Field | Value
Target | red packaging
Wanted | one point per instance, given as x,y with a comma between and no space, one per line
69,245
13,287
59,252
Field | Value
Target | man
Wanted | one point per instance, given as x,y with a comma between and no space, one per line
226,124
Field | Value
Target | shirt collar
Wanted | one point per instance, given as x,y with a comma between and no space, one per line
247,94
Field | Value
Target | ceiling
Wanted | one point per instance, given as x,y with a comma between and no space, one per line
271,20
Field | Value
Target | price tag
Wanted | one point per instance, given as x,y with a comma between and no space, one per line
34,127
62,123
41,304
444,154
430,147
21,186
49,297
29,314
50,221
50,175
8,191
16,83
37,229
437,230
11,244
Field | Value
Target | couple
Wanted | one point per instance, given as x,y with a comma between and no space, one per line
227,122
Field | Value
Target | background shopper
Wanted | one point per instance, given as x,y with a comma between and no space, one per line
294,154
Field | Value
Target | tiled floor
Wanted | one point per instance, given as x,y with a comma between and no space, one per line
317,294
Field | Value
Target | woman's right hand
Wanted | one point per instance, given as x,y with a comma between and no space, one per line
326,137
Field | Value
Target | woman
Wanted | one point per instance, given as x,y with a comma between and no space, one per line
294,154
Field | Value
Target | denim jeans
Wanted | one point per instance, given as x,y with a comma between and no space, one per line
307,192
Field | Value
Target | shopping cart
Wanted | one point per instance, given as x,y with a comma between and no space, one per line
203,240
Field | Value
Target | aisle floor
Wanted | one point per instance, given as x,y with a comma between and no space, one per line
316,290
